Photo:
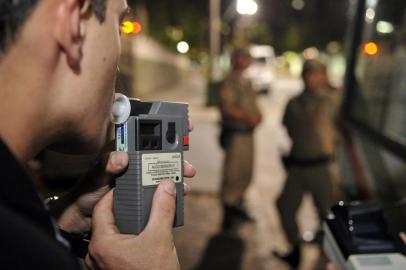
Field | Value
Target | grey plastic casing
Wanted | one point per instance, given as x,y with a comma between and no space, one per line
132,200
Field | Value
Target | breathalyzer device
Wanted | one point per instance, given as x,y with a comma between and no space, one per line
155,135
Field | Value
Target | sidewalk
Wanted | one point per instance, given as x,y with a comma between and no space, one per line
198,243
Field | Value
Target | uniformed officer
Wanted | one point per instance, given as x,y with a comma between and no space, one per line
240,116
310,121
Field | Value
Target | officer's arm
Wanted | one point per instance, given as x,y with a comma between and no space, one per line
286,121
228,107
235,113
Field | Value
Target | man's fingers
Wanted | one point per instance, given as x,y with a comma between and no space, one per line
103,218
403,237
186,189
190,126
330,266
90,263
102,174
188,169
117,162
163,210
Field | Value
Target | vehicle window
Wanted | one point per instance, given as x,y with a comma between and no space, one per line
387,171
380,100
260,60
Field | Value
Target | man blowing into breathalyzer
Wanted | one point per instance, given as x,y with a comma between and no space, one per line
58,61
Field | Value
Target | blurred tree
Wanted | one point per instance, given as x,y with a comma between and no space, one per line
292,38
170,21
318,23
278,24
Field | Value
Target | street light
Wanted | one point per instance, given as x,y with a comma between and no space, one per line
182,47
384,27
244,7
215,38
131,27
247,7
298,4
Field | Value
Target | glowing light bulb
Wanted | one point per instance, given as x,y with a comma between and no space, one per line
371,48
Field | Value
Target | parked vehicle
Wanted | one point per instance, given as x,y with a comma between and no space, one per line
262,70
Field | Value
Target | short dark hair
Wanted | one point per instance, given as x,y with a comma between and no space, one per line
14,13
313,65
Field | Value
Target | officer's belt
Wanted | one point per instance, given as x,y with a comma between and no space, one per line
310,162
245,130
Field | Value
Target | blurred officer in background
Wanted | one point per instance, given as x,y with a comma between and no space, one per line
240,116
310,122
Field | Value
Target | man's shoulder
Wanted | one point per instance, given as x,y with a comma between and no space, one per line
295,101
228,80
25,246
234,79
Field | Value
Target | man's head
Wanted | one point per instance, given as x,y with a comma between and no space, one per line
314,74
240,59
66,52
13,14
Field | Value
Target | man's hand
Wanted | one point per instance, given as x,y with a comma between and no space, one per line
74,211
255,120
152,249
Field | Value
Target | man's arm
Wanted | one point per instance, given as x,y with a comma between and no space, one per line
239,115
287,117
227,101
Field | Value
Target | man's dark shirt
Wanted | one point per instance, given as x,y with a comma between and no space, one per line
27,235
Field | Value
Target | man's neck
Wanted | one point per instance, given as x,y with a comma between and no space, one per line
238,72
22,82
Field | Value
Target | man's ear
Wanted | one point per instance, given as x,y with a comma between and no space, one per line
86,7
70,29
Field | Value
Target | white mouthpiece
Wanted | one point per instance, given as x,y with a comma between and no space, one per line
121,109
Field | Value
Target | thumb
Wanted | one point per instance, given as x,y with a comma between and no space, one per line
163,209
117,162
103,218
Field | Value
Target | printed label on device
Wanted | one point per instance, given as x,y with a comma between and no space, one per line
122,138
157,167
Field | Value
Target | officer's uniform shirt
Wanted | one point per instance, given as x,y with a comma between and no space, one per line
28,238
310,121
238,92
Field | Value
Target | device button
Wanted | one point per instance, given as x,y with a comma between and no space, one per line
185,140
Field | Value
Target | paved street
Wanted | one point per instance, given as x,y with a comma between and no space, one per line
198,243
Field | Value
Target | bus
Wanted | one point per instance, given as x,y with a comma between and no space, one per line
374,110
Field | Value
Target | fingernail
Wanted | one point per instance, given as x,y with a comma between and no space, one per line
188,165
170,187
189,170
117,159
186,188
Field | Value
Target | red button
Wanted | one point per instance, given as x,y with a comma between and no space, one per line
185,140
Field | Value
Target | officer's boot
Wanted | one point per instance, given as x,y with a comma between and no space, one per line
241,213
228,217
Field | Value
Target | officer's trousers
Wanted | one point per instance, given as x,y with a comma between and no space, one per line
238,167
319,181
